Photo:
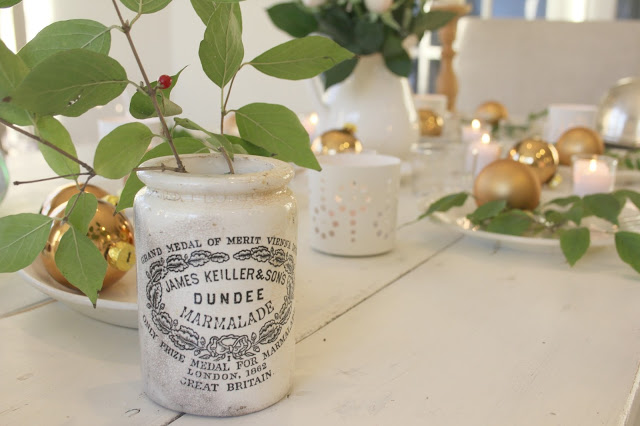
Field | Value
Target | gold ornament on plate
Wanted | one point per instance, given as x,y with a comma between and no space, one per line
541,156
578,140
112,234
508,180
491,112
430,123
64,193
337,141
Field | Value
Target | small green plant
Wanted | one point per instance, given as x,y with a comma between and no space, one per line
66,70
559,218
364,27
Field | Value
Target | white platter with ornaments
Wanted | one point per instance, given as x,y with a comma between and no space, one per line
116,305
601,231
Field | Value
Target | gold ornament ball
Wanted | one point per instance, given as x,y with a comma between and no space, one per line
64,193
541,156
578,140
491,112
508,180
337,141
112,234
430,123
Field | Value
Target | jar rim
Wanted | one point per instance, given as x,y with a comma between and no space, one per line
207,173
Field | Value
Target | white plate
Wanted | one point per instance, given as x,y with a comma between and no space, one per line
456,219
116,305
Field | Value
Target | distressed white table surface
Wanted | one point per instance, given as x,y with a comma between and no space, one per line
443,330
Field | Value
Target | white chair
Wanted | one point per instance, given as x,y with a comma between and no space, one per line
527,65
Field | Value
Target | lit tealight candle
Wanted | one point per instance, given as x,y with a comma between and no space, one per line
473,133
593,174
481,153
309,122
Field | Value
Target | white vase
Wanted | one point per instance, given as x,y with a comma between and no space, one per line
216,263
379,103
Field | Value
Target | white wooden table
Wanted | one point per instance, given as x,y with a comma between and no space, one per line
444,330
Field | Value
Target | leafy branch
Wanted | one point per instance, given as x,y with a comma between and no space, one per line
560,218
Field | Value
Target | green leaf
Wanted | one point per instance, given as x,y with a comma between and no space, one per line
222,141
395,57
82,211
512,222
555,217
12,71
487,211
564,201
221,52
340,72
576,213
574,243
70,83
628,248
80,262
293,19
301,58
630,195
65,35
278,130
145,6
184,145
22,238
121,150
205,9
336,23
53,131
605,206
431,20
14,114
141,105
387,18
8,3
370,36
248,146
445,203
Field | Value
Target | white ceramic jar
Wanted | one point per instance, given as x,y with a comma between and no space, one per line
216,263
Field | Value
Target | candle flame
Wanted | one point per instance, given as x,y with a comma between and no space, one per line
475,124
486,138
313,118
593,165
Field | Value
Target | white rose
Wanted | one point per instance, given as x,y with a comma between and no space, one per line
314,3
378,6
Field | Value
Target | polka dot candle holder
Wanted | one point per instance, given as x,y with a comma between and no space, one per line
353,204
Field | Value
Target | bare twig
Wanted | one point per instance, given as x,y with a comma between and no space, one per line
225,154
52,178
161,167
126,28
45,142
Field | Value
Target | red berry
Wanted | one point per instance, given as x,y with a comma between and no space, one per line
164,81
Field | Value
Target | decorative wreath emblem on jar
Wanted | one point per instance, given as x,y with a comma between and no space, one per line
217,347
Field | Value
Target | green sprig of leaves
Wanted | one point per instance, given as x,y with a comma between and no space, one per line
560,218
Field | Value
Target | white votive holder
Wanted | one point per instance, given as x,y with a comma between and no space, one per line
593,174
562,117
353,204
481,153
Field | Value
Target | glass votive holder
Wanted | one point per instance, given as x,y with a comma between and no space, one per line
593,174
353,204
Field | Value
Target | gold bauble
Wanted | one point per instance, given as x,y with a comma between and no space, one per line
491,112
541,156
430,123
508,180
578,140
64,193
337,141
112,234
